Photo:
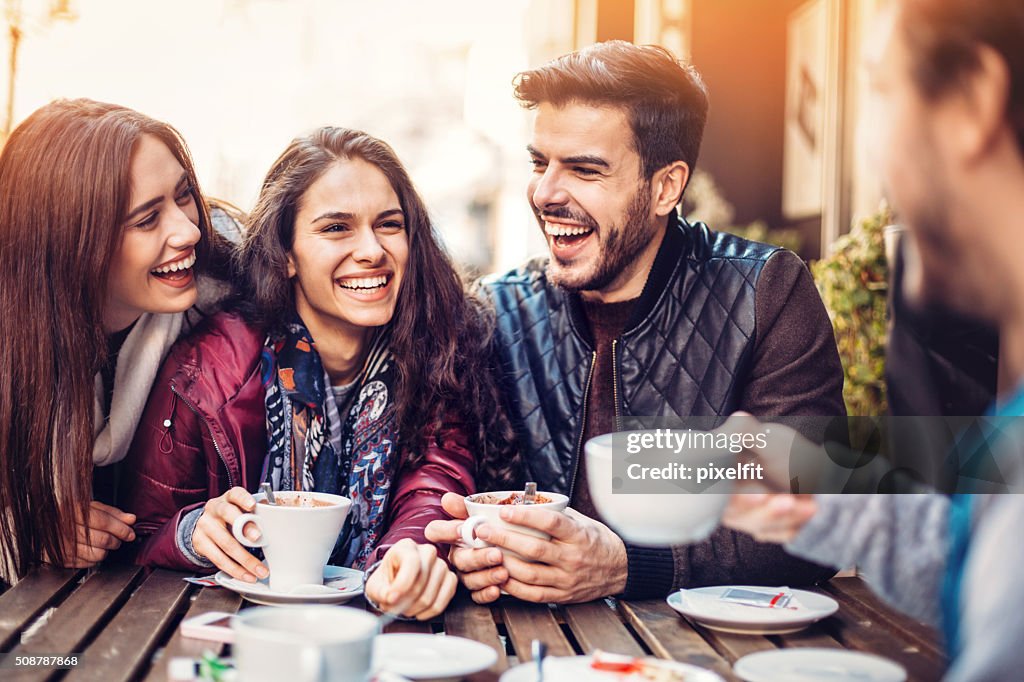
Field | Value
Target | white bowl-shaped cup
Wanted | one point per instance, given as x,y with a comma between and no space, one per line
657,518
488,512
304,644
297,540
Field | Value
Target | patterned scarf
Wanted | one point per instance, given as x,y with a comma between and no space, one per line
299,433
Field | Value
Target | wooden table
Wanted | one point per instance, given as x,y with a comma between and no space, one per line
125,620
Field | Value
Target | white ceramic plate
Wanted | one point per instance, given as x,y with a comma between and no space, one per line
431,657
577,669
340,585
817,665
702,606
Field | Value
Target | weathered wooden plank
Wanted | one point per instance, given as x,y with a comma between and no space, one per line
733,646
465,618
669,635
23,603
814,636
526,622
417,627
595,625
209,599
854,593
80,616
854,630
125,647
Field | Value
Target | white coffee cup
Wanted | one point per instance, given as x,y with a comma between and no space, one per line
312,643
297,540
489,512
658,519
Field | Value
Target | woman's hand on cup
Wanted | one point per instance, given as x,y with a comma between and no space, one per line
212,536
412,579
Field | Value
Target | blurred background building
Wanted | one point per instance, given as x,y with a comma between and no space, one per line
240,78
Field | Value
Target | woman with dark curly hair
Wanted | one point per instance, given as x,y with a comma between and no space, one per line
355,363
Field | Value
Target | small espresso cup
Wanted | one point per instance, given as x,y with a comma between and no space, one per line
297,535
304,644
486,508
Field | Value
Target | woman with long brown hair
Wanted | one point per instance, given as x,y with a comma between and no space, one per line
356,365
102,232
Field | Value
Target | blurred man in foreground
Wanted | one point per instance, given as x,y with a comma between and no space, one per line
948,80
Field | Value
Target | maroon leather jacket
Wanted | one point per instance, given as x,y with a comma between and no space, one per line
204,431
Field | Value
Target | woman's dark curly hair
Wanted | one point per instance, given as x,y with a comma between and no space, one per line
440,335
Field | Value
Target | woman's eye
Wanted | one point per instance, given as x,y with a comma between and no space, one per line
147,222
392,225
185,197
336,227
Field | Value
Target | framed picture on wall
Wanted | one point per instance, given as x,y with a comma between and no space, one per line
805,122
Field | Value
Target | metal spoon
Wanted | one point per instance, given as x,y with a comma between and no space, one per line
266,490
539,650
530,493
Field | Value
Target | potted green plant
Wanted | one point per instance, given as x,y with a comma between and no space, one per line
853,281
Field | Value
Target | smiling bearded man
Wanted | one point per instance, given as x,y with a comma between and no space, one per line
635,313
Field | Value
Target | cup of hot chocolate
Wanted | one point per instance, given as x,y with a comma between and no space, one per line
297,534
486,508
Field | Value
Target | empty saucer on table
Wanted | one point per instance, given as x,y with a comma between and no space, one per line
816,665
431,657
703,606
340,585
577,669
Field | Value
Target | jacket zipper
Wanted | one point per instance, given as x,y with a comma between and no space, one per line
615,385
583,425
196,412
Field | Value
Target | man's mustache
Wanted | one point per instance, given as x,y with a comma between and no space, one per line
566,213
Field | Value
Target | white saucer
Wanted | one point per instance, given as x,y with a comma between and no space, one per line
340,585
815,665
577,669
701,605
437,658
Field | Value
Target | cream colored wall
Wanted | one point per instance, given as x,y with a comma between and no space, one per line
865,188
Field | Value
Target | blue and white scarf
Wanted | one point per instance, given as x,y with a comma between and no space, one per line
299,433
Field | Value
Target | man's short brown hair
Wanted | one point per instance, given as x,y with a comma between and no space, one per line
944,36
665,101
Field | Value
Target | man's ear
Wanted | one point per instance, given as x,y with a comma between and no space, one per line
981,109
668,185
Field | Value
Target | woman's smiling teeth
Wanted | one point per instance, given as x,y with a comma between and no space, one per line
177,266
364,284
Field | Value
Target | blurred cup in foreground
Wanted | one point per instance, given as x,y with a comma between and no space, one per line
677,510
304,644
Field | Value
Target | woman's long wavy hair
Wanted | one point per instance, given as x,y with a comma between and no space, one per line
441,335
64,196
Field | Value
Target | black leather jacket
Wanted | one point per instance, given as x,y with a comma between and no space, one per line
691,335
692,348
